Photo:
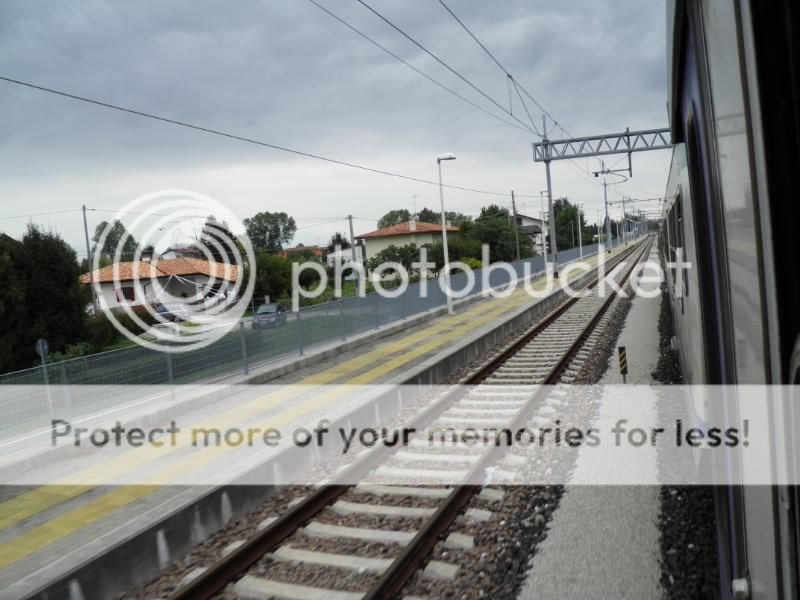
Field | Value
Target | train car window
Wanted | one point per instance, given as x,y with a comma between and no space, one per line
680,237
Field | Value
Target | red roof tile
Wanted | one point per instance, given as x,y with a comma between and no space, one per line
405,229
128,271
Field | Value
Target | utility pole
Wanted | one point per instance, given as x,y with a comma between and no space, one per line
542,194
439,159
353,256
580,234
550,211
605,202
352,240
624,239
89,261
597,212
626,142
516,232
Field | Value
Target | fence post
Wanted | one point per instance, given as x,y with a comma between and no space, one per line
299,333
344,323
67,402
243,340
47,385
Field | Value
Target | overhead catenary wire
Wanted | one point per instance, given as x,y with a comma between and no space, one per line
240,138
518,86
497,62
440,61
416,70
41,214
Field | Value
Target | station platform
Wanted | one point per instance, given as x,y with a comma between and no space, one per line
52,536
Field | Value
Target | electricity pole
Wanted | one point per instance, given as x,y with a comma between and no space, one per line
352,240
516,232
551,212
605,202
353,257
89,261
626,142
624,240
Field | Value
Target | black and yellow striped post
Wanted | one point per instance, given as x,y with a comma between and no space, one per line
623,362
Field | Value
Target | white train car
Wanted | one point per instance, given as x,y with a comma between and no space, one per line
733,210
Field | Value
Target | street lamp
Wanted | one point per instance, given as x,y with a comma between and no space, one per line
439,159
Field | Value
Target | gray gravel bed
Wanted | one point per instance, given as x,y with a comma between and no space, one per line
687,520
370,521
496,567
211,548
314,575
391,500
345,546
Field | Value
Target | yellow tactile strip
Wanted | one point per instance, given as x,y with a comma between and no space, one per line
388,357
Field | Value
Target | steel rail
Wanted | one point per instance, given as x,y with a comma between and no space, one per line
415,553
214,579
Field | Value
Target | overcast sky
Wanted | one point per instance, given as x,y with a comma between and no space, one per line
284,72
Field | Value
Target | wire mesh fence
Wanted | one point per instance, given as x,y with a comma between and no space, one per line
41,392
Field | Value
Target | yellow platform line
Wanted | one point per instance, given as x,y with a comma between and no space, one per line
92,511
63,525
35,501
41,498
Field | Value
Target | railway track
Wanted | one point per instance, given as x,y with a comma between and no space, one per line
506,393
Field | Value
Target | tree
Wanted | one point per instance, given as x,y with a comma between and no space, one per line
426,215
115,236
44,298
495,227
273,276
459,247
270,231
566,215
12,304
404,255
219,242
394,217
338,239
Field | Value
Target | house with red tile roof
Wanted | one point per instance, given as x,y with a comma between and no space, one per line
164,281
402,234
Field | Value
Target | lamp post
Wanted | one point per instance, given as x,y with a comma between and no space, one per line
439,159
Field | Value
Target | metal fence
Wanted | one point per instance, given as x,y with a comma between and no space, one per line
32,404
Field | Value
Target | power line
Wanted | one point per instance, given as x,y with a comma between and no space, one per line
415,69
518,86
497,62
149,214
240,138
522,101
440,61
42,214
321,224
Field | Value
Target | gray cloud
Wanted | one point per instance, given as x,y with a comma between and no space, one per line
285,72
